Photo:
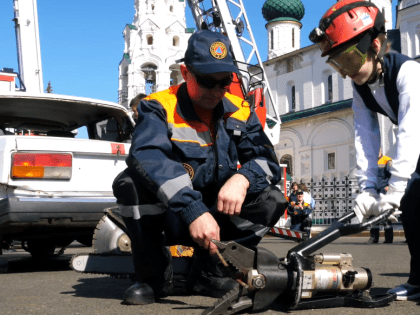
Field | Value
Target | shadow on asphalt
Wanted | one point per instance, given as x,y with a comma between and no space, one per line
29,264
399,275
102,288
110,288
374,292
190,307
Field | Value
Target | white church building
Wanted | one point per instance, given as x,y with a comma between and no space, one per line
314,102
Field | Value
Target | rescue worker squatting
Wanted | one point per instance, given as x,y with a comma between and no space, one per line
182,177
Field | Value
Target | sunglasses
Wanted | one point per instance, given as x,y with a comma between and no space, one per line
211,83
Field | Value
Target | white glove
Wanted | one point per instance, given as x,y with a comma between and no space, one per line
391,200
364,203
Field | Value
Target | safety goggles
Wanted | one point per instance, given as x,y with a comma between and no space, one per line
347,62
211,83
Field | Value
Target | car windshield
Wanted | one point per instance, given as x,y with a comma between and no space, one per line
64,117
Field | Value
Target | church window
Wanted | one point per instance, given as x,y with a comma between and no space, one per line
417,40
153,7
272,39
171,9
330,88
331,161
149,40
293,91
175,41
293,37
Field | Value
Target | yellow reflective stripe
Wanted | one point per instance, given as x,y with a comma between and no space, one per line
243,112
168,100
385,159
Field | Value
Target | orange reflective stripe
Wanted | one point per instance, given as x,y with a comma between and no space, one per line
192,141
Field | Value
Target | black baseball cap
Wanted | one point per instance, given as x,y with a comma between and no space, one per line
299,192
209,52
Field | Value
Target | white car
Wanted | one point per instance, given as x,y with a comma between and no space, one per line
53,186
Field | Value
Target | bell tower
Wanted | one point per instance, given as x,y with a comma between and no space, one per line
283,25
153,42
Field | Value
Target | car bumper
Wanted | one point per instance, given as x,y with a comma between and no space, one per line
76,211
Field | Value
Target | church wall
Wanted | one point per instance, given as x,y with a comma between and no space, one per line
310,140
410,31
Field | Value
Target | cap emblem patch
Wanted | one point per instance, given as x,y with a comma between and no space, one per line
218,50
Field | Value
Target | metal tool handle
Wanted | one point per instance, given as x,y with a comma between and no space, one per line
336,230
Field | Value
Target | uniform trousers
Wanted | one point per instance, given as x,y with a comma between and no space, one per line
410,208
259,213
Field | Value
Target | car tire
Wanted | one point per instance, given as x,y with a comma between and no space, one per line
39,248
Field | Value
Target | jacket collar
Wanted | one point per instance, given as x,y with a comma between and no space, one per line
185,107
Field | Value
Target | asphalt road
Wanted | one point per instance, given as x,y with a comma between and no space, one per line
51,287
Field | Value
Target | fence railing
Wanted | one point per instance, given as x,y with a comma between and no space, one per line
333,197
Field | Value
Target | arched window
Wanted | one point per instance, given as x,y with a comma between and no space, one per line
326,87
175,41
149,40
287,159
171,9
293,94
272,39
153,7
293,37
329,88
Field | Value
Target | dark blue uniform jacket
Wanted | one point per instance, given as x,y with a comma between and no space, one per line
177,161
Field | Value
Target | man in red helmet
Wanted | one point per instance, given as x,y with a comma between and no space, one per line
352,34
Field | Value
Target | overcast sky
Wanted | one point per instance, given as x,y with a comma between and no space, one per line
82,42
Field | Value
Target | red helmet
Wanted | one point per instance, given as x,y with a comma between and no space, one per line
346,20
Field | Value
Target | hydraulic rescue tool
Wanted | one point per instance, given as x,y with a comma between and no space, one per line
301,280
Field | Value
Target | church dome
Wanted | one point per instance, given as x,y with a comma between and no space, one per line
275,9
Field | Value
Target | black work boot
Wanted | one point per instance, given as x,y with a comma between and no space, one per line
152,261
147,290
389,234
208,276
374,236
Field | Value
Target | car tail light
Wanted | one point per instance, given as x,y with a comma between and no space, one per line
41,165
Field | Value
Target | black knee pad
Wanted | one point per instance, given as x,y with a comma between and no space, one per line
125,189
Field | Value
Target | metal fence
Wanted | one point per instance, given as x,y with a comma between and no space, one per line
333,198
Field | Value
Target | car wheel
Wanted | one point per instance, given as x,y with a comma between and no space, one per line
39,248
